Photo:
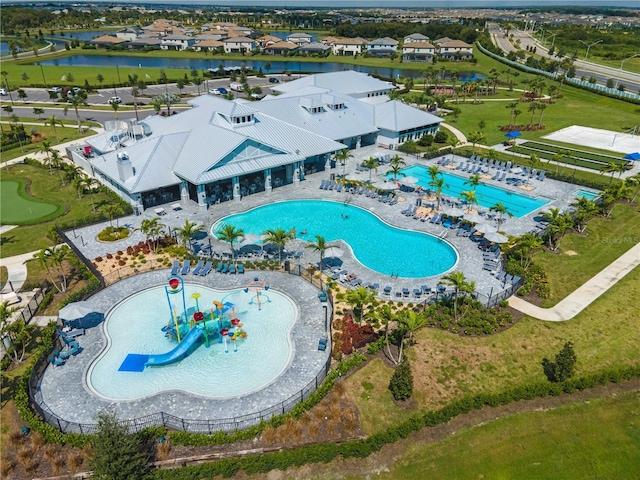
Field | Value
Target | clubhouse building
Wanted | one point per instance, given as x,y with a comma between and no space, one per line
221,150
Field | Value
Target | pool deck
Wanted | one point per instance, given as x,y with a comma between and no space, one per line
65,391
470,257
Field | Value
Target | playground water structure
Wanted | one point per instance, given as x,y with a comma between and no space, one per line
377,245
143,325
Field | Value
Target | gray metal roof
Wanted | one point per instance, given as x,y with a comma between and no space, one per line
396,116
383,41
348,82
246,166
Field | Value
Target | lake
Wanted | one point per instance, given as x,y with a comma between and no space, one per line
204,64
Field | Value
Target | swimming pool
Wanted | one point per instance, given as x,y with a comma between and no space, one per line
374,243
135,326
519,205
587,194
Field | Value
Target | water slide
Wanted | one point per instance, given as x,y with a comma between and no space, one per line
178,353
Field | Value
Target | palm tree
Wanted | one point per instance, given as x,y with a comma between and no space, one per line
76,102
53,121
516,112
386,316
112,210
188,230
342,156
434,171
167,99
541,107
359,298
46,149
55,256
115,106
133,83
57,162
230,234
410,321
614,168
474,181
612,194
526,245
151,228
439,186
634,181
469,197
512,106
459,282
372,164
397,171
501,209
559,223
320,246
279,238
475,137
585,208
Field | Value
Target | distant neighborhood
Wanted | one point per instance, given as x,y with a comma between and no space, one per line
225,37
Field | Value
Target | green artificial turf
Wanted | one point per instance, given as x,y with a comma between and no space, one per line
17,207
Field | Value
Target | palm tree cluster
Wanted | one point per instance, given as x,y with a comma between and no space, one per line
53,259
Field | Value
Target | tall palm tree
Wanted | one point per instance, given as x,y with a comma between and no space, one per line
474,181
187,231
533,106
372,164
386,316
525,246
115,106
512,106
634,181
585,208
475,137
501,209
76,102
45,148
410,322
397,171
434,171
541,107
320,246
56,257
53,121
469,197
279,238
230,234
58,163
460,283
342,156
397,160
559,223
359,298
439,185
151,228
611,168
112,210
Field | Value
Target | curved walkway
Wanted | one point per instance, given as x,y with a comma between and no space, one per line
582,297
459,135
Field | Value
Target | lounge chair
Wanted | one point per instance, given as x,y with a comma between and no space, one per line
186,267
405,292
241,269
508,278
74,348
515,280
425,289
56,361
491,267
456,225
495,176
448,222
463,230
225,268
542,175
232,269
375,286
176,267
62,355
219,267
199,266
501,275
387,290
206,269
356,282
322,344
417,292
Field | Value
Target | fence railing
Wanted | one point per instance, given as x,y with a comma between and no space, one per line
81,256
27,312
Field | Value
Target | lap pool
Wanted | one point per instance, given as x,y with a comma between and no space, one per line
374,243
519,205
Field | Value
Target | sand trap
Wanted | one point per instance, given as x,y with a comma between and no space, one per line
597,138
571,253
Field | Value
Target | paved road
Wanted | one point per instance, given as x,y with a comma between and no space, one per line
602,73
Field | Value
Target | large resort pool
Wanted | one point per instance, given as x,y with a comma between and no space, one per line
518,204
374,243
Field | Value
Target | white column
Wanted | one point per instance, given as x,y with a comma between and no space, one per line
267,181
236,189
202,198
296,174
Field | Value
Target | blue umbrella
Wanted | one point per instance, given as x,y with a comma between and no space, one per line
514,134
633,156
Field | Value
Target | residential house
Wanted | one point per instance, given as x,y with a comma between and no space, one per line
130,33
177,42
418,52
107,41
415,37
299,38
455,50
239,45
267,40
209,45
382,47
314,47
145,42
280,48
348,46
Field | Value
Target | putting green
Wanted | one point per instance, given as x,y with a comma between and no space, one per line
17,207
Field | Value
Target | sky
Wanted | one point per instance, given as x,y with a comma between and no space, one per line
373,3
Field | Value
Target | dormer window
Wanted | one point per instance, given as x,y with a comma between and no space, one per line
242,119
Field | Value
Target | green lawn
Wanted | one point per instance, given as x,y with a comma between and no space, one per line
595,439
57,136
4,276
17,207
606,240
447,366
46,186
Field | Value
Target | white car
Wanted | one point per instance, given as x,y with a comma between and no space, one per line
55,89
115,100
3,92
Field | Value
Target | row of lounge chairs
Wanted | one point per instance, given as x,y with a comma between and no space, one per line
201,268
381,196
506,278
230,268
59,358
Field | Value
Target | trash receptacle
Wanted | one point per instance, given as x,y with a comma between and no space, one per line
333,176
287,266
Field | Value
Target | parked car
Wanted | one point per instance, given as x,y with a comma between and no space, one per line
55,89
273,80
219,91
75,90
236,87
3,91
115,100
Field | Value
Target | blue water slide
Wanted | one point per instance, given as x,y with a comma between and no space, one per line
177,353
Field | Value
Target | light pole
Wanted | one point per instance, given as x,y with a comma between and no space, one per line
554,40
589,45
622,63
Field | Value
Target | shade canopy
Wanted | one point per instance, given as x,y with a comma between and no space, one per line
408,180
635,156
334,252
453,211
332,262
474,217
486,228
514,134
250,238
76,310
496,237
516,170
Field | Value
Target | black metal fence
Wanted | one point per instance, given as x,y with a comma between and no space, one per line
81,256
494,298
29,310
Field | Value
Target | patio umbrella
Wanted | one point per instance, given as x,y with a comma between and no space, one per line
514,134
635,156
453,211
496,237
516,170
474,217
332,262
249,239
334,252
408,180
486,228
76,310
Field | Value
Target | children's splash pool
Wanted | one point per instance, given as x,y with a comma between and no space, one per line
135,326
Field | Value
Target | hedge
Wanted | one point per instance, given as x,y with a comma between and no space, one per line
327,452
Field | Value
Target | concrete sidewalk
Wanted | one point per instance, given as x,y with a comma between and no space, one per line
17,270
582,297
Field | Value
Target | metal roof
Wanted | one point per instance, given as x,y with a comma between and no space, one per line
396,116
348,82
246,166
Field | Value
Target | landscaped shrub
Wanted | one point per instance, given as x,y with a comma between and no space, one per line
562,368
113,234
401,383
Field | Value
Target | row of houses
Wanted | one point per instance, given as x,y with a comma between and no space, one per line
221,150
231,38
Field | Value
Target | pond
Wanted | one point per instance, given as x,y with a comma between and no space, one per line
276,66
